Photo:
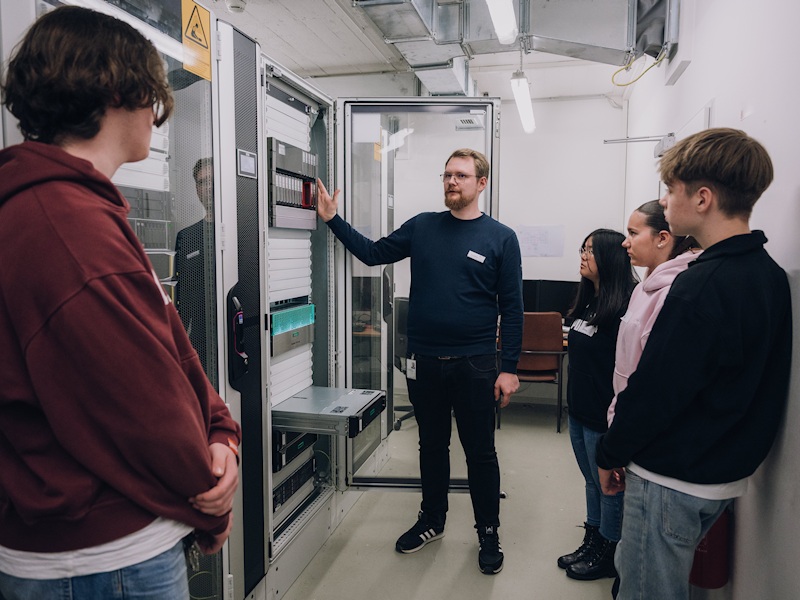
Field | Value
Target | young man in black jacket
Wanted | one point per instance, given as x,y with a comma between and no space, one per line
703,407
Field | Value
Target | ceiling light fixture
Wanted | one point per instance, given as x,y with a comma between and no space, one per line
504,20
235,6
522,96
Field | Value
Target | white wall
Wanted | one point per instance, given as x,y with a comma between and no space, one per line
739,52
562,175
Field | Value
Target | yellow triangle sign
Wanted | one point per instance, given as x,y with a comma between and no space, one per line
194,30
196,24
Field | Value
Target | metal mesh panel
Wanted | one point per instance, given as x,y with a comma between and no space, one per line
206,582
247,188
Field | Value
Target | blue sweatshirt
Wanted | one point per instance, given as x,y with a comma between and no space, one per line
464,273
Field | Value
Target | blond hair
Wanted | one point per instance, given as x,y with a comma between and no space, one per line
481,163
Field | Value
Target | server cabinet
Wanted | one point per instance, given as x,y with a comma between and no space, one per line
244,309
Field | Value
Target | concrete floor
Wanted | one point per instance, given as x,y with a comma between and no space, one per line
540,520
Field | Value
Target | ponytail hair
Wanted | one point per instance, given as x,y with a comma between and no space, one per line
654,218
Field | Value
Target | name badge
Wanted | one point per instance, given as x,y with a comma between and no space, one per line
581,326
475,256
411,368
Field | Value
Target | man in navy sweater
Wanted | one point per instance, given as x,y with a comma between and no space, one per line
466,269
703,407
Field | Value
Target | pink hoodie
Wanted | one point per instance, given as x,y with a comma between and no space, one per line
645,304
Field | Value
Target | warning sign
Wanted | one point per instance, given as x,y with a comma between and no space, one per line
196,39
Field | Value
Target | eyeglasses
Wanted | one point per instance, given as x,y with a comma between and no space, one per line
588,250
460,177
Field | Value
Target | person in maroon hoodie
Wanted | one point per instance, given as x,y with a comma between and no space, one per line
113,443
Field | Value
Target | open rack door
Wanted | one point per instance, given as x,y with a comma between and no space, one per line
392,152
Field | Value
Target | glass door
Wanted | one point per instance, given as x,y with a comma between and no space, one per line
394,153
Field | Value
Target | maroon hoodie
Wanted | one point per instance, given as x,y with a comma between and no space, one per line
106,414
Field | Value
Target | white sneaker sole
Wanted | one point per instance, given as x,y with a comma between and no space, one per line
425,542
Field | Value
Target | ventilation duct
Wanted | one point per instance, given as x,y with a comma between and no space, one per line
656,27
599,31
450,80
479,36
400,19
439,35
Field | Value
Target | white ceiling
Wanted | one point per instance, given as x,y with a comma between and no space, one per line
315,38
324,38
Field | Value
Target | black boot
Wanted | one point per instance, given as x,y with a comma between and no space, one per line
597,564
590,538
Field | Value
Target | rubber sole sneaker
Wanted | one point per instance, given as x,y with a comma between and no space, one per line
417,537
490,554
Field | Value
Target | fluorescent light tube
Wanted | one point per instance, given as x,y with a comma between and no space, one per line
522,96
504,20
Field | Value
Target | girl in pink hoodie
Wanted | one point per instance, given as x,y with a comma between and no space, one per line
650,245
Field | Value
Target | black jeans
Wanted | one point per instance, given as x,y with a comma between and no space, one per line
464,385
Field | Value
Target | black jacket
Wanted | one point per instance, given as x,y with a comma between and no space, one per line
591,371
709,392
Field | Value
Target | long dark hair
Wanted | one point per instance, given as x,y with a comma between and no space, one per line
654,218
617,279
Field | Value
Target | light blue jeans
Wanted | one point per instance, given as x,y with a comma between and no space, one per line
160,578
601,510
661,530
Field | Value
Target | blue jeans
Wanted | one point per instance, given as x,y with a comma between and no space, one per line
465,387
163,577
601,510
661,530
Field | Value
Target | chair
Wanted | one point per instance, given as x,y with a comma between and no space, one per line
543,351
400,351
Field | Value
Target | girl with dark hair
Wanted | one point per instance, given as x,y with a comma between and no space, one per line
607,280
650,245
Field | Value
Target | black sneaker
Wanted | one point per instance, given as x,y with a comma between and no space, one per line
420,534
490,555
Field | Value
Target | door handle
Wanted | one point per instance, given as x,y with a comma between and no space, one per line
238,361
